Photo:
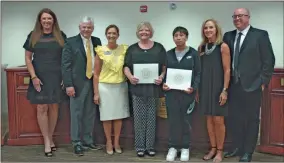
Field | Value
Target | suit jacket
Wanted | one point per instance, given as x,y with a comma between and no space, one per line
74,62
256,58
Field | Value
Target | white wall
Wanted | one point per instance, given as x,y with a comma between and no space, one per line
18,20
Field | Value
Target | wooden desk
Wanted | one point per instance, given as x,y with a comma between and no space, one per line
272,116
23,128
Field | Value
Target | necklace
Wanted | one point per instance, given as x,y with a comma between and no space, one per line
209,51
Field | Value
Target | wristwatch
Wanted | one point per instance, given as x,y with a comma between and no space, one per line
225,90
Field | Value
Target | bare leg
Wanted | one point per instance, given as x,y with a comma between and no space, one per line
42,120
212,138
220,135
52,121
107,129
117,130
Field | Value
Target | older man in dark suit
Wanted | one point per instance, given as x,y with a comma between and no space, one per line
77,70
253,63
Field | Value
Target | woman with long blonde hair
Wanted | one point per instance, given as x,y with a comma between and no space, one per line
215,77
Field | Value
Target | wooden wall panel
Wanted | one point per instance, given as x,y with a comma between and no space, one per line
272,116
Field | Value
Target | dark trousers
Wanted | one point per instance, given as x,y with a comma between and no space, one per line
179,121
244,117
82,113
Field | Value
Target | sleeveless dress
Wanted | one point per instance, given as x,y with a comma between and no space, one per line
212,82
47,65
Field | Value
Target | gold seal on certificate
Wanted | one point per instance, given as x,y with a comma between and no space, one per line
178,78
146,73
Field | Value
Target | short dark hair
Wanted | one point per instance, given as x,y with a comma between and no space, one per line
112,26
181,30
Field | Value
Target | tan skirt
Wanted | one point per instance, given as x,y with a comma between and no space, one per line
114,102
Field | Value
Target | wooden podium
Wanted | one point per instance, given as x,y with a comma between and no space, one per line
272,116
24,130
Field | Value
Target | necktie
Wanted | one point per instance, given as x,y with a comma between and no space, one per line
89,67
236,58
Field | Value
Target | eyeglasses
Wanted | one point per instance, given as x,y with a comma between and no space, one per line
239,16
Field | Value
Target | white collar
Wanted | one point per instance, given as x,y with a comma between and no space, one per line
245,31
84,39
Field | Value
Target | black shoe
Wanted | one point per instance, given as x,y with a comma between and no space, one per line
151,152
140,153
48,154
78,150
54,148
92,147
235,152
246,157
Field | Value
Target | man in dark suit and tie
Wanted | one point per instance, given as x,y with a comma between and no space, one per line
77,71
253,63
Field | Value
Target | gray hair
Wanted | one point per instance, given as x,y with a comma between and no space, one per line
87,19
245,9
147,25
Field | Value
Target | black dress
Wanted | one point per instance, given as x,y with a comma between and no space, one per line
212,82
47,65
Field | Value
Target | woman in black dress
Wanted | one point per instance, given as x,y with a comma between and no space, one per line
43,59
215,77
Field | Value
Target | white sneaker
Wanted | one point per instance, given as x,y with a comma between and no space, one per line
184,156
172,154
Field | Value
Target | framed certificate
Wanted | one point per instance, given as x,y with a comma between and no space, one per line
178,78
146,73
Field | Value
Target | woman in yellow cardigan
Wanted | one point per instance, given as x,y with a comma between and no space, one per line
110,87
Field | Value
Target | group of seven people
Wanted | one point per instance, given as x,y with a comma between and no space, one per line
234,67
